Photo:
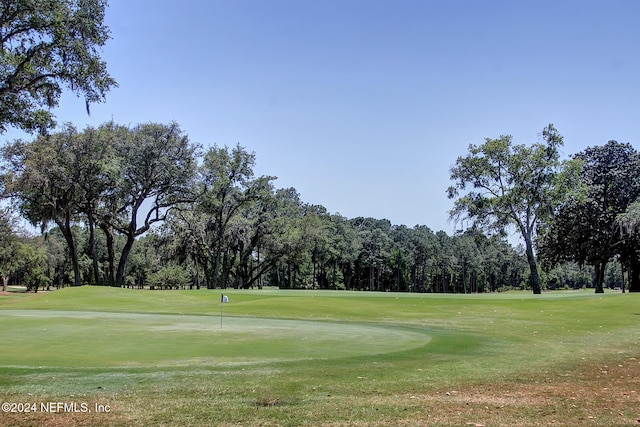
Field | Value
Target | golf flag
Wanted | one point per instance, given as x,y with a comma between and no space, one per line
223,298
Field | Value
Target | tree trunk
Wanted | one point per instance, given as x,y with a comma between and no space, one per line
208,274
371,277
314,277
226,270
122,265
598,279
464,277
347,276
92,248
111,253
195,261
534,279
334,272
5,282
213,283
294,278
65,228
219,245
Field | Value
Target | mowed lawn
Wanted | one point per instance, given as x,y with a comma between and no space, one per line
102,356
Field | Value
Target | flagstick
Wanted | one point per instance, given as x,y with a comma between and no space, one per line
221,298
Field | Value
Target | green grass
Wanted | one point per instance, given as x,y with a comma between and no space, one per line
298,357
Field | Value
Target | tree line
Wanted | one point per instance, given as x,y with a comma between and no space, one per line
142,206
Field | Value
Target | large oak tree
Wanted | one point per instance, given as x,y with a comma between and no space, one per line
586,227
158,166
47,46
500,185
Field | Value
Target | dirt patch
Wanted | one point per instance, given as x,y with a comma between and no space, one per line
589,394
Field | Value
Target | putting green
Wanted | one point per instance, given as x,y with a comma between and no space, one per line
104,339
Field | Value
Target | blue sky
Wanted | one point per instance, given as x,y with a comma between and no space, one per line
363,106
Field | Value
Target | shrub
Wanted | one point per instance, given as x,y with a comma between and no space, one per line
173,277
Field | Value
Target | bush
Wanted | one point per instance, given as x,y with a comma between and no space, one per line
174,277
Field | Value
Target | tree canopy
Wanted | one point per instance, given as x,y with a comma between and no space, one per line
8,247
143,206
596,221
47,46
121,179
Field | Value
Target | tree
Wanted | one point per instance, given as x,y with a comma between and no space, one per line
146,259
423,243
98,170
229,185
183,240
375,250
317,233
9,246
158,168
256,234
468,260
348,244
32,257
511,185
41,177
292,240
629,223
586,228
47,46
170,277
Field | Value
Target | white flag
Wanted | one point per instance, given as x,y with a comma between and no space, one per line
225,298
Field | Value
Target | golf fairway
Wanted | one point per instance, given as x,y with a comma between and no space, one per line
307,358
